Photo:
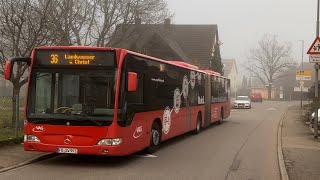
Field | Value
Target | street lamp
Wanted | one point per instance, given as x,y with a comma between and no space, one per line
302,53
302,41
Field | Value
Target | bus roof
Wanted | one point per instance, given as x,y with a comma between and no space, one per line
181,63
212,72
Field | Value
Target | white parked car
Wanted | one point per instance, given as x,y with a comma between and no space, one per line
242,102
312,116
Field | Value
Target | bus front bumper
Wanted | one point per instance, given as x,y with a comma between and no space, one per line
70,149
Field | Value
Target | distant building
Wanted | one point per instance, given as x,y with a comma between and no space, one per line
256,86
193,44
231,72
285,87
264,92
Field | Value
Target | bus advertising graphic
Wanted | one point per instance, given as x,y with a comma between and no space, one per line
177,100
185,87
192,79
166,120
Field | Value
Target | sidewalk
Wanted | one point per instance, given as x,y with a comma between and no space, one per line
13,156
301,152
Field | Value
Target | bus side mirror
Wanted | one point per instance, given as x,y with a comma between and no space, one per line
9,66
132,81
7,70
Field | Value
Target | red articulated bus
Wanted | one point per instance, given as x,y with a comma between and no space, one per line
114,102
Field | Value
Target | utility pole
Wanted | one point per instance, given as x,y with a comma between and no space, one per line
316,99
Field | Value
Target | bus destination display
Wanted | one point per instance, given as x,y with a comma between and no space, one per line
74,57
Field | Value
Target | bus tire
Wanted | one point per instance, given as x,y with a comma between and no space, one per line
221,117
155,138
198,126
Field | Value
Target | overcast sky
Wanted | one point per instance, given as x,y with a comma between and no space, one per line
241,23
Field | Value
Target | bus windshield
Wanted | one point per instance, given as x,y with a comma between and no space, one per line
77,97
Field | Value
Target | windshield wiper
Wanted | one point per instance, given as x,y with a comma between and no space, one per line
84,118
36,120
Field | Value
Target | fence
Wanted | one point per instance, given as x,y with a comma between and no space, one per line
10,128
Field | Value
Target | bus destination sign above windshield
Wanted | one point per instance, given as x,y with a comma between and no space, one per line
74,57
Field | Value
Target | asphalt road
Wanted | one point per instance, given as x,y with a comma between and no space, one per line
243,147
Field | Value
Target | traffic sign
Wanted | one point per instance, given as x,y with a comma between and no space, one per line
301,83
314,58
315,47
304,72
303,78
303,89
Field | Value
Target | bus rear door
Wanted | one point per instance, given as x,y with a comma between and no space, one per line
207,114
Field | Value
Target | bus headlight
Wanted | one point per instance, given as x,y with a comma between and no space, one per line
110,142
30,138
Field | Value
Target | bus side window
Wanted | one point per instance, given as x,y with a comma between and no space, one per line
134,101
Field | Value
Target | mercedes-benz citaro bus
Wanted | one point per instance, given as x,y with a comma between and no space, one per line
114,102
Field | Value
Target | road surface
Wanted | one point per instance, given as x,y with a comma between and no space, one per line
243,147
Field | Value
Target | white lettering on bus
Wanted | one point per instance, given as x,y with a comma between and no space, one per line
138,132
200,99
157,80
38,129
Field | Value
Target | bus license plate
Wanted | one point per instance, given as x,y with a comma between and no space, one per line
67,150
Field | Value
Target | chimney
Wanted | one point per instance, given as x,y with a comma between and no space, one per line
167,23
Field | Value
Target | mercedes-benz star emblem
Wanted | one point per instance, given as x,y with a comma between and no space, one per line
67,139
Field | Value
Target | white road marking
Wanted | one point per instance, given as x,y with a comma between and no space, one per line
145,155
271,109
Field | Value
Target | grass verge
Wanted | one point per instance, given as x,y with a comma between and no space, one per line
9,136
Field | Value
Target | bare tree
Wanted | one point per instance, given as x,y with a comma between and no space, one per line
269,60
22,26
70,22
111,13
26,24
92,22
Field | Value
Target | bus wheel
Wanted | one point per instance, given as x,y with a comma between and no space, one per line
198,127
155,138
221,117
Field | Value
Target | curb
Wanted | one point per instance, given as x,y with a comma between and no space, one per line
282,167
29,161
